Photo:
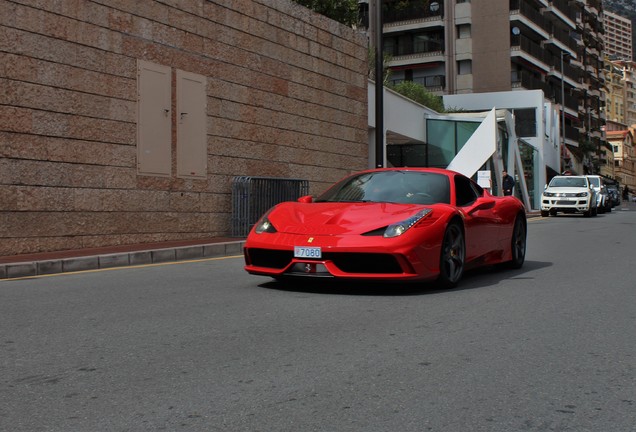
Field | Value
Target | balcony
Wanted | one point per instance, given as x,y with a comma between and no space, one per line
525,80
572,133
407,48
432,83
564,38
526,45
412,11
532,17
562,7
571,102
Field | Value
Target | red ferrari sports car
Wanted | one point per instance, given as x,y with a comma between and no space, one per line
391,224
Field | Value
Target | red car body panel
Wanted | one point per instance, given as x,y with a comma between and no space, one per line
353,247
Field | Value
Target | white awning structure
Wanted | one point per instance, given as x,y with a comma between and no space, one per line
405,122
481,146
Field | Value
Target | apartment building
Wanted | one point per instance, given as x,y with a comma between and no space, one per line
618,36
478,46
620,88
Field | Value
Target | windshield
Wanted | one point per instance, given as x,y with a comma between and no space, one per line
568,182
405,187
595,181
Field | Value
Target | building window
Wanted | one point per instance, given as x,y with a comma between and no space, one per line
464,67
463,31
525,122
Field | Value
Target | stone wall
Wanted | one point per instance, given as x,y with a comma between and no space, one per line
286,97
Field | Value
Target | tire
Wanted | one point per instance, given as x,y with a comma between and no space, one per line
452,256
545,213
518,244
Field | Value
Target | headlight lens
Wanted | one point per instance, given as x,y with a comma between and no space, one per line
582,194
397,229
549,194
264,225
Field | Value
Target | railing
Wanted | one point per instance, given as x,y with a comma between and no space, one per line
430,82
401,11
528,81
572,133
531,13
565,8
253,196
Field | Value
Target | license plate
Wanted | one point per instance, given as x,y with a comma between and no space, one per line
307,252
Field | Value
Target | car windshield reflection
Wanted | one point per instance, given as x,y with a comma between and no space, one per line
403,187
568,182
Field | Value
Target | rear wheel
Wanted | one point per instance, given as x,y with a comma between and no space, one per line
451,266
518,244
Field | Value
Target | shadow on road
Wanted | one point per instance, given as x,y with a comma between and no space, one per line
472,279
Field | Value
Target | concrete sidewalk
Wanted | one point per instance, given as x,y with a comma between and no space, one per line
116,256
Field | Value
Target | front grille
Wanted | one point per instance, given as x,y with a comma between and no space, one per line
270,258
364,262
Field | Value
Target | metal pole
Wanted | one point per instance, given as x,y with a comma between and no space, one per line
562,113
379,87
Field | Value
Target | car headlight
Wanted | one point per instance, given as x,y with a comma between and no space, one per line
548,194
397,229
264,225
582,194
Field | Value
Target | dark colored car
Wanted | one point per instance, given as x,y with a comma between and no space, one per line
614,194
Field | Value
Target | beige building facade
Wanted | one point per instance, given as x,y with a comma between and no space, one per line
125,121
624,157
618,36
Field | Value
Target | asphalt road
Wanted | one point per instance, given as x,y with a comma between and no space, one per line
203,346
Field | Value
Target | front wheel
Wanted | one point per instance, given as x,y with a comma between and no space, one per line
453,254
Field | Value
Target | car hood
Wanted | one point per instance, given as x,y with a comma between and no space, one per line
339,218
566,190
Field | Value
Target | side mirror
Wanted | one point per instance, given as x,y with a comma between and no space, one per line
307,199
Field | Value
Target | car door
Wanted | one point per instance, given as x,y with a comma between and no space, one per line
480,219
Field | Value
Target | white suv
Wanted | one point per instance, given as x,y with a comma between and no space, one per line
569,194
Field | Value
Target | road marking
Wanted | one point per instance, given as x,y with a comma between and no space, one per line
123,268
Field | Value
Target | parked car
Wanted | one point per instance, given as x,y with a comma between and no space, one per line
614,194
602,197
569,194
390,224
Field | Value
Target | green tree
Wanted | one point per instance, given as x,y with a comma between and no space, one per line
419,94
343,11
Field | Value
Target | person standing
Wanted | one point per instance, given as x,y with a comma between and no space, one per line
508,183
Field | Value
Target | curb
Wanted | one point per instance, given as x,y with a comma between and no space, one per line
123,259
